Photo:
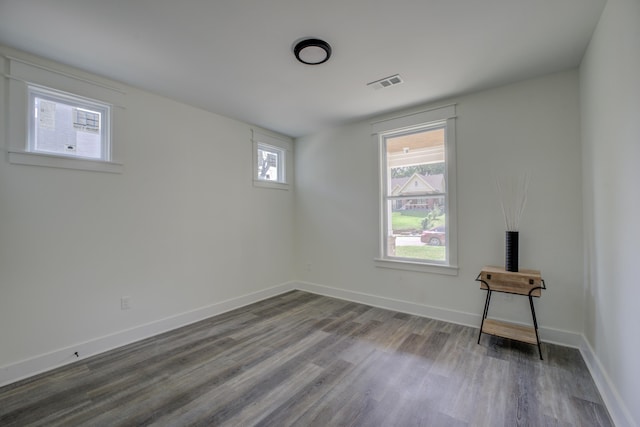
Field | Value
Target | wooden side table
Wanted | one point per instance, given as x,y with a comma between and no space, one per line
523,282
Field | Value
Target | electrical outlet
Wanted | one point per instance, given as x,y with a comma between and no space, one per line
125,303
307,267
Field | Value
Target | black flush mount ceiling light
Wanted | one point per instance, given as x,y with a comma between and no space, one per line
312,51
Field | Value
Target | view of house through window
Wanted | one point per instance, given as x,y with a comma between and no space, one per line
415,194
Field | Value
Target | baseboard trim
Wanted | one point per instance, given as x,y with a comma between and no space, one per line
550,335
63,356
431,312
60,357
617,409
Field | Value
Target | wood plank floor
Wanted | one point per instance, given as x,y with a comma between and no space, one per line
301,359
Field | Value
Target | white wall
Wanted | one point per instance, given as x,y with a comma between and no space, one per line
610,112
533,125
181,229
177,230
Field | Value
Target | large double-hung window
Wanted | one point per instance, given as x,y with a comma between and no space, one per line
417,191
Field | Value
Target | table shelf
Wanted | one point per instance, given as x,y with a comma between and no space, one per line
510,330
524,282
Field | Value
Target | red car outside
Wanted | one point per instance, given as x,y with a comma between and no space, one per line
434,237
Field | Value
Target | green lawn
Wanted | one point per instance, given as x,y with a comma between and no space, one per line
436,253
402,222
412,220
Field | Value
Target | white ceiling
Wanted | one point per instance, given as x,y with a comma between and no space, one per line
234,57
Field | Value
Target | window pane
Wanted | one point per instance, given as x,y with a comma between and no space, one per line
418,152
268,164
65,129
64,125
417,228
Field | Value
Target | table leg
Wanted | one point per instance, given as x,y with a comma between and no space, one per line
485,312
535,325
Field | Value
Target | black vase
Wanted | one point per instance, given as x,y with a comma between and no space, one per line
511,251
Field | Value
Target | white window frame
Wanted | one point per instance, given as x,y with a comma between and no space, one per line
24,75
279,155
280,148
415,122
76,102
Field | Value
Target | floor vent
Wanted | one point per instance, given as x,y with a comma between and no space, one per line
386,82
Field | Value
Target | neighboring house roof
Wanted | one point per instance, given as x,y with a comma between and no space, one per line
417,183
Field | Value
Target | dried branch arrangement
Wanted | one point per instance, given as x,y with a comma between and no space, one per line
513,198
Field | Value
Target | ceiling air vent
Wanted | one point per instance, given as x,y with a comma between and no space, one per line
386,82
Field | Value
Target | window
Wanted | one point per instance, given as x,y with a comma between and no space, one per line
417,191
66,125
63,118
270,162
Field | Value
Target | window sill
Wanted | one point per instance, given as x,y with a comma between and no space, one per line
416,266
52,161
270,184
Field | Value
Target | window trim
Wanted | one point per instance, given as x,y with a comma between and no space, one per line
280,162
79,102
23,74
263,140
416,121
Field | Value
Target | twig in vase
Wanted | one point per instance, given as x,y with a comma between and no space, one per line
513,198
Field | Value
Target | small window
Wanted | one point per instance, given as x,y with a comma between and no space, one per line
66,125
63,119
270,163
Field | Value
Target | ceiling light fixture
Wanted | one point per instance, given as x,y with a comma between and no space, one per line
312,51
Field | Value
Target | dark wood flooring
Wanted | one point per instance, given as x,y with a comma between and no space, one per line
301,359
